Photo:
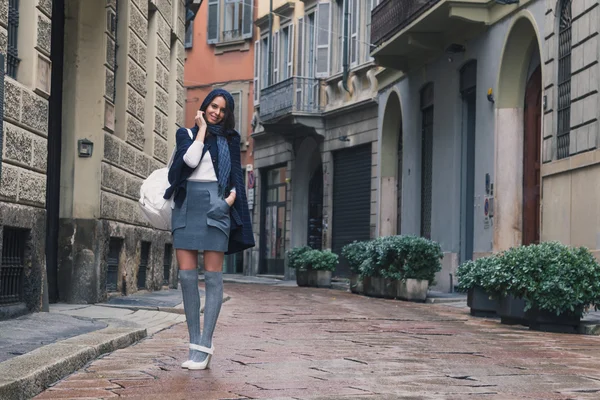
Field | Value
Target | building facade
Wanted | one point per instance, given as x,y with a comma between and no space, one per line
93,95
495,107
315,136
220,54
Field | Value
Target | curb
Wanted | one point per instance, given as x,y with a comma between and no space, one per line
26,376
173,310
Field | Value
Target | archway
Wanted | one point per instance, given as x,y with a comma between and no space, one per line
518,138
390,200
307,195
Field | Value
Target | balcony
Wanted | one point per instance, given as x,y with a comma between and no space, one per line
409,33
294,101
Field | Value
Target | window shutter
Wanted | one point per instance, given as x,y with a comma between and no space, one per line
256,72
213,21
290,44
276,57
189,36
247,20
323,37
300,59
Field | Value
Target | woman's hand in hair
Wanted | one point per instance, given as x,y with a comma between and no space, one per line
201,122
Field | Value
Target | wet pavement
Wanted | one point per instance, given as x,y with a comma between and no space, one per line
277,342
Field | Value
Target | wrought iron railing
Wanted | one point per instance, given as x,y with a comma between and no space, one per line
143,267
12,53
293,95
390,16
13,264
112,269
232,35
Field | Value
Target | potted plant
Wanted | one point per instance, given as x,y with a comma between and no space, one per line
320,266
558,283
355,253
471,275
295,261
376,280
422,260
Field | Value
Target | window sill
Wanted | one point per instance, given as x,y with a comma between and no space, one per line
232,45
356,69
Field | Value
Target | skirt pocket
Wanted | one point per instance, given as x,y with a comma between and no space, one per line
179,216
218,215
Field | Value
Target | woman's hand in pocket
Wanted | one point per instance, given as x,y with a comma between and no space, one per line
230,199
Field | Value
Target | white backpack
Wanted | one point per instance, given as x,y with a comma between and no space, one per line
155,207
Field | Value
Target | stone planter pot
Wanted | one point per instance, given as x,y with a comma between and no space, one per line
302,277
481,303
379,287
546,321
511,311
356,284
319,279
412,290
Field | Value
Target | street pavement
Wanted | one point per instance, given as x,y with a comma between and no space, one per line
278,342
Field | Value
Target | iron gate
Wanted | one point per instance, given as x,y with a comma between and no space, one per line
13,264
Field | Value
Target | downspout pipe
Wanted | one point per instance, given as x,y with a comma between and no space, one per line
345,47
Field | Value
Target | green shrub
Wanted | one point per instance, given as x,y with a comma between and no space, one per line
548,276
355,253
295,257
402,257
307,258
319,260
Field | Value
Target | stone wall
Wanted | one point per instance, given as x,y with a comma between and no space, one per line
25,131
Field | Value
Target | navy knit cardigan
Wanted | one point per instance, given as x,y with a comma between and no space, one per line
240,236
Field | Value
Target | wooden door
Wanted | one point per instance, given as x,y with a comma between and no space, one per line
532,159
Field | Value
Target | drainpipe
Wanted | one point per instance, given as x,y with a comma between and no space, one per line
345,47
270,67
51,293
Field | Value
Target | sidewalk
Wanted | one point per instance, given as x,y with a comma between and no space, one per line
39,349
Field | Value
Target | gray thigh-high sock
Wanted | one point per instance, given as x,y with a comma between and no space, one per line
191,305
212,307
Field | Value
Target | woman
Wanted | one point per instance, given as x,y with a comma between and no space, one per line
210,214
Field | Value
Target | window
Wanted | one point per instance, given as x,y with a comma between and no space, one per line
236,23
12,54
189,36
287,51
275,57
300,60
323,39
565,42
264,53
257,69
354,23
112,270
309,46
167,260
143,267
340,35
273,222
13,265
233,20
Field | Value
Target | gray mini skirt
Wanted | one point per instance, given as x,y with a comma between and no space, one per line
203,221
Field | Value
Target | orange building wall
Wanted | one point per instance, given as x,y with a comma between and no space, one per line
205,70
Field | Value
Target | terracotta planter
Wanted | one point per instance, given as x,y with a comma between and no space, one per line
546,321
481,303
511,311
302,277
412,290
320,279
356,284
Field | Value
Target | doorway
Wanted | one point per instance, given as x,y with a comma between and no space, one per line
532,158
468,86
315,210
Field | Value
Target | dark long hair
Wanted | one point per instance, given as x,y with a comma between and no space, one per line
228,120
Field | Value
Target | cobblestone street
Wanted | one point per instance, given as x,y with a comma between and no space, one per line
299,343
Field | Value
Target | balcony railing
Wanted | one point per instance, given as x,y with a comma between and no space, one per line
391,16
293,95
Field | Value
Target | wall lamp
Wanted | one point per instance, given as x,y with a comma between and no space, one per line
85,147
343,138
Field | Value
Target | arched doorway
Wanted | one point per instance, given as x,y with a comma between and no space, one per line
390,196
518,138
307,195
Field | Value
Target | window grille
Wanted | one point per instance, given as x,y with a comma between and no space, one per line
141,283
112,271
168,259
12,53
426,159
565,43
12,267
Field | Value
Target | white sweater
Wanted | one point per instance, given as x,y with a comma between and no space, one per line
203,171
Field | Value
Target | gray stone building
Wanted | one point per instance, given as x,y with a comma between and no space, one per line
495,108
93,93
315,141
